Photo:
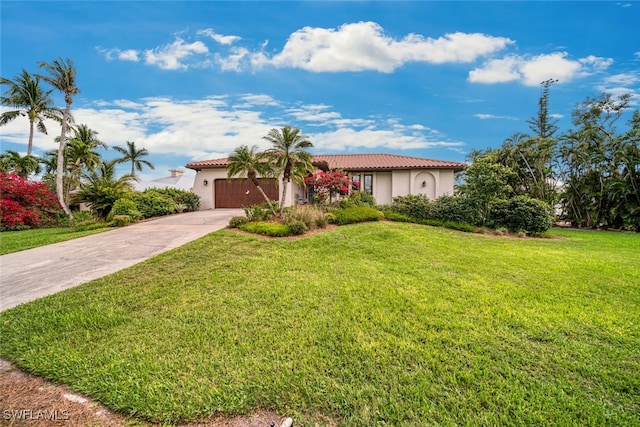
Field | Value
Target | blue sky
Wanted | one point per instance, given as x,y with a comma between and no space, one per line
193,80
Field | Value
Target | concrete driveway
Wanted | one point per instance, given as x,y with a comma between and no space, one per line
34,273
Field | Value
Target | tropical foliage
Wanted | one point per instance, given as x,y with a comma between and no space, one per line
25,97
100,188
289,156
591,173
23,166
134,155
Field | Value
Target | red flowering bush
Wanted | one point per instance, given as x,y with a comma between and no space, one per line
25,203
328,184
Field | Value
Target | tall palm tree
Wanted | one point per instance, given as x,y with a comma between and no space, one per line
28,98
248,162
23,166
62,76
133,155
288,153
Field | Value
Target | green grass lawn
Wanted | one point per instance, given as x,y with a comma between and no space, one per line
370,324
14,241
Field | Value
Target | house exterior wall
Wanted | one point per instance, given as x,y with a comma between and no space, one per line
386,185
382,184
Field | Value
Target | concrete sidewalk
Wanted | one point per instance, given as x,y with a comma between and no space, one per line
34,273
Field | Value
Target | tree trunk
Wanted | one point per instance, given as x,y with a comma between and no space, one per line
266,198
60,165
284,194
30,146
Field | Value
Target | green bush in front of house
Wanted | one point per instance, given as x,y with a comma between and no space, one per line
152,203
126,207
456,209
416,206
521,214
273,229
188,199
355,214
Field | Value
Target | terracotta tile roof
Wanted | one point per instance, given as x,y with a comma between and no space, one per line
357,162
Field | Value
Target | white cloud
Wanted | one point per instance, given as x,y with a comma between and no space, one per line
172,56
531,70
624,79
493,116
131,55
496,71
347,139
234,61
225,40
212,127
364,46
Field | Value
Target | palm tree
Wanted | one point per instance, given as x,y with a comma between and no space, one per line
23,166
248,162
80,154
100,189
27,97
289,155
133,155
62,76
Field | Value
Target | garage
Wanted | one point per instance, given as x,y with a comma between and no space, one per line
238,193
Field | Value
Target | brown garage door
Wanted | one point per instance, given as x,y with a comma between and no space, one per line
238,193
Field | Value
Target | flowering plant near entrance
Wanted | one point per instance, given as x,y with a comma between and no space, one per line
327,184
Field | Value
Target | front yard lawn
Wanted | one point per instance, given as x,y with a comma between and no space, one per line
376,323
14,241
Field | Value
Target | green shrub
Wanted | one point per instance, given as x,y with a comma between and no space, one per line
237,221
125,207
273,229
152,203
260,212
457,209
414,205
81,216
356,214
297,227
120,220
189,199
521,214
392,215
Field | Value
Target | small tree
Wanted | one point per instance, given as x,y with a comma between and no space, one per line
327,184
249,162
485,180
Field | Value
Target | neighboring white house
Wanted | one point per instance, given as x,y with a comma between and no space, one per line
177,180
384,176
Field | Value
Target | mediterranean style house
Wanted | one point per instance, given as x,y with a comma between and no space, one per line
384,176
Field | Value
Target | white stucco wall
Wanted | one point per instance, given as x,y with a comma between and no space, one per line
206,191
382,187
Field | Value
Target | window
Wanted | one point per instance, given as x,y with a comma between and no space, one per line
368,184
356,179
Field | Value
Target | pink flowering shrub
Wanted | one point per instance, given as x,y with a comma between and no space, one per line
328,184
24,203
